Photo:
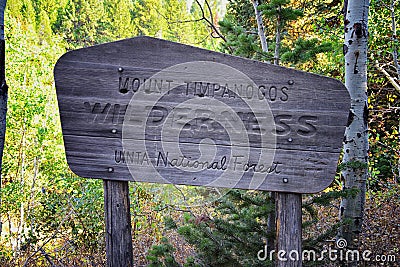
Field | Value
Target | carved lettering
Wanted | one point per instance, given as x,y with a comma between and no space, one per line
187,163
105,113
204,89
150,86
254,167
162,157
303,125
203,119
157,116
282,127
307,129
235,163
285,96
273,93
131,157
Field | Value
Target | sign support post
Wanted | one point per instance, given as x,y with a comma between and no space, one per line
118,223
288,230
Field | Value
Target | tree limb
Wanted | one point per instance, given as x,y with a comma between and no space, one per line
208,21
390,78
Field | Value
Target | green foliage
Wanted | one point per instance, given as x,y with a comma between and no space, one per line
162,255
280,10
384,100
242,13
121,23
235,234
240,30
45,207
147,18
353,165
237,230
170,223
306,50
239,42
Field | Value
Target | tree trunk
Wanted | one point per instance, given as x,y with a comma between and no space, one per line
277,38
3,90
271,224
260,26
355,159
394,37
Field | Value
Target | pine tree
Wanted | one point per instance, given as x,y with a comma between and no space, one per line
176,18
147,18
281,13
235,235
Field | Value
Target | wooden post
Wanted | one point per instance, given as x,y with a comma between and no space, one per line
288,230
118,224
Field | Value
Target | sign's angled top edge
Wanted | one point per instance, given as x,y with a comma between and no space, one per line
67,55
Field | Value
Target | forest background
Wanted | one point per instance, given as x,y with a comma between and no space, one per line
51,217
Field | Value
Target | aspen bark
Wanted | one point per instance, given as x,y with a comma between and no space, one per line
277,38
260,26
355,159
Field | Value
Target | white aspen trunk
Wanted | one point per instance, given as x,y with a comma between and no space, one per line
277,38
355,159
260,26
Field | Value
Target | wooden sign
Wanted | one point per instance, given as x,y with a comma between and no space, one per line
151,110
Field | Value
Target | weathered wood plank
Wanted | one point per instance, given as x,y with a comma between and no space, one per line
288,230
115,91
306,93
119,248
292,171
306,130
